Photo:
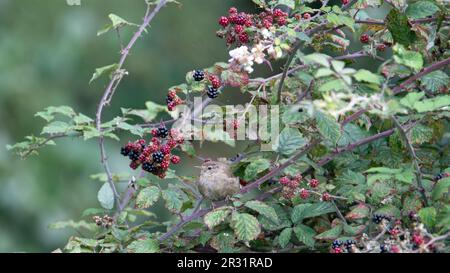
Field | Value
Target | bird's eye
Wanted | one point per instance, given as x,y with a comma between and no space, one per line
209,168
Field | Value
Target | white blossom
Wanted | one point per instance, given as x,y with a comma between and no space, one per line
258,53
242,57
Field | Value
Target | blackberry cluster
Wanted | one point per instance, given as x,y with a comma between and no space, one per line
212,92
172,100
155,157
377,218
238,26
198,75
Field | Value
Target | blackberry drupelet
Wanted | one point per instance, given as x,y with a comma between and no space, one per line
377,218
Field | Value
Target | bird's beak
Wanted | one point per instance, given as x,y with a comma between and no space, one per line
199,167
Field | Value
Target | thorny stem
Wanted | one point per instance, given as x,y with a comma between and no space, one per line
112,86
414,159
435,66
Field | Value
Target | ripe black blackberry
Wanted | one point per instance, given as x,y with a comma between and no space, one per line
212,92
384,249
169,99
336,244
124,151
377,218
149,167
349,244
158,157
199,75
133,155
163,132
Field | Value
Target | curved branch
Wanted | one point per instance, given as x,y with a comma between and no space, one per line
112,86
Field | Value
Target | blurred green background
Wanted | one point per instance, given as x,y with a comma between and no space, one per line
48,52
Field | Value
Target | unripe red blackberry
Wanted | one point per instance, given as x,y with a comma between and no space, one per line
293,184
304,194
364,38
243,38
267,23
215,82
230,39
248,22
381,47
134,165
241,19
238,29
154,132
313,183
282,21
165,149
326,196
345,2
284,181
171,106
232,10
165,164
172,143
223,21
175,159
278,13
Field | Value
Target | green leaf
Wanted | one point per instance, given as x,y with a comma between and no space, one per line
103,70
410,99
134,129
441,188
432,104
308,210
421,134
172,200
289,141
318,58
364,75
217,216
154,109
245,226
263,209
49,113
428,216
421,9
435,80
145,245
116,22
288,3
92,211
412,59
256,167
398,26
147,197
330,234
56,127
305,234
106,196
285,237
328,127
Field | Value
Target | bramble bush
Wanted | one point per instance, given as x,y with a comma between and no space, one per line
361,163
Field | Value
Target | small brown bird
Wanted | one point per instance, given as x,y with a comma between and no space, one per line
217,181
